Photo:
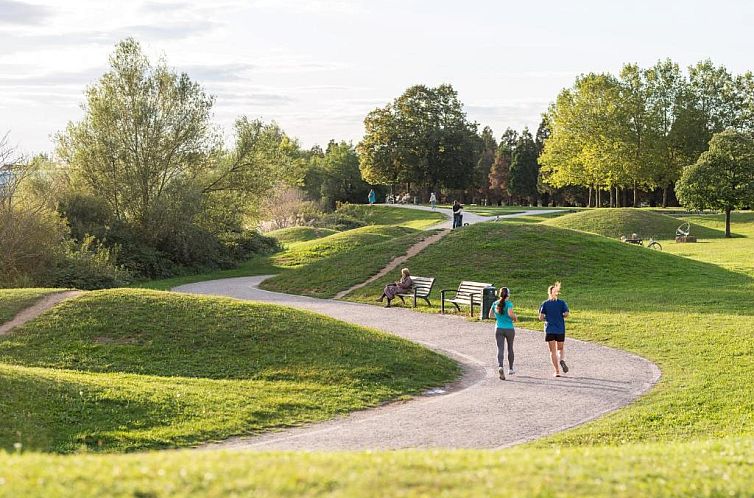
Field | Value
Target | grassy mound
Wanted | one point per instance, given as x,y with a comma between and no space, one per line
395,216
323,267
125,369
624,221
14,300
293,235
677,312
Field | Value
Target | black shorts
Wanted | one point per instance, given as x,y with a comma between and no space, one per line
554,337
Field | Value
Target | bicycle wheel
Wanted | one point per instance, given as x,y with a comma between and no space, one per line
656,246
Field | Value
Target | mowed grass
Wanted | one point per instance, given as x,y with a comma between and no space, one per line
692,318
350,262
122,370
292,235
698,469
394,216
614,222
14,300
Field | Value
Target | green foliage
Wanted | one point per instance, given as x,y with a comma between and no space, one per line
422,137
723,177
524,169
125,369
625,221
88,265
336,177
384,215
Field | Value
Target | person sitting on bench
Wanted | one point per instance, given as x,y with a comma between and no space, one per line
404,284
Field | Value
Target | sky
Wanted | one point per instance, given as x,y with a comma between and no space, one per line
318,67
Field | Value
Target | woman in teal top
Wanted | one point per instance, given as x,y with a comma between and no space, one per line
502,309
372,197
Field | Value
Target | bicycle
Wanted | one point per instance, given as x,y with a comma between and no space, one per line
653,244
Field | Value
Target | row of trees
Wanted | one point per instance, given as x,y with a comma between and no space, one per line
640,128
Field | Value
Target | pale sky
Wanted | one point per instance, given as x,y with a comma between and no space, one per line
318,67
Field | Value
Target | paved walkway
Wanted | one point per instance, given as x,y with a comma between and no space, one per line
480,411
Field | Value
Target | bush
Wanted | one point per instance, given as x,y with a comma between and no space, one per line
238,247
88,265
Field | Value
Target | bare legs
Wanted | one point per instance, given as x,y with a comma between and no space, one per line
556,349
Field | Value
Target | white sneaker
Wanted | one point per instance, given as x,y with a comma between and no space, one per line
511,371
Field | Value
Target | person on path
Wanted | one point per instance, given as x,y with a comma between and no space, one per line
372,197
457,214
502,310
554,312
433,200
402,285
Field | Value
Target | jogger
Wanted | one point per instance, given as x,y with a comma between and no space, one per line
554,312
502,310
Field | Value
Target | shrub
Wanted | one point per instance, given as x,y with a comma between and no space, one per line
88,265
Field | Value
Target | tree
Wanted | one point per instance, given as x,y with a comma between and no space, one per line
723,177
500,172
485,162
341,178
524,171
423,138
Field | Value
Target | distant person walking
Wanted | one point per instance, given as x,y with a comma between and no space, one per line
372,197
402,285
457,214
554,312
502,310
433,200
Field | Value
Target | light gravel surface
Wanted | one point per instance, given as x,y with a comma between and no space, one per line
479,411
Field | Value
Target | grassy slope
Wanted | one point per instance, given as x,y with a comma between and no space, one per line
127,369
14,300
625,221
395,216
292,235
345,267
704,469
674,311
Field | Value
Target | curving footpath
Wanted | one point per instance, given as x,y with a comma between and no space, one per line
480,410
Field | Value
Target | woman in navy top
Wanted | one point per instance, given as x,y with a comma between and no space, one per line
554,312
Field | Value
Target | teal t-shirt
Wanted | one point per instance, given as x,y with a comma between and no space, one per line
503,320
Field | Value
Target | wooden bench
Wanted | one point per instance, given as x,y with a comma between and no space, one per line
468,294
421,289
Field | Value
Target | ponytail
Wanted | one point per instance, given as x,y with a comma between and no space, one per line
503,293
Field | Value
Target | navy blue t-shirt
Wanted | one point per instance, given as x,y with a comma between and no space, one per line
553,311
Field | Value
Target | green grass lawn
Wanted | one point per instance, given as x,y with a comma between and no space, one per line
14,300
394,216
291,235
699,469
501,210
625,221
688,316
122,370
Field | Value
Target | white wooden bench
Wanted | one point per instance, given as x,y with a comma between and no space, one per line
468,293
421,289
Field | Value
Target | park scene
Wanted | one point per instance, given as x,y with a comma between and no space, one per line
233,266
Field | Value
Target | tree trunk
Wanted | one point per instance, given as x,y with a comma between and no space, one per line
617,197
589,201
727,222
665,196
636,196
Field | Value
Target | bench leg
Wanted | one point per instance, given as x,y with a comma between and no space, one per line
458,309
471,309
442,306
402,300
414,300
428,303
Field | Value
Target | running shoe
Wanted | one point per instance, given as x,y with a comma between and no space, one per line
564,366
501,371
511,371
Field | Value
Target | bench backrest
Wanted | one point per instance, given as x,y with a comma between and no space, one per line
471,290
422,285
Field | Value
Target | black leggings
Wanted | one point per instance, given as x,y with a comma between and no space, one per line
502,336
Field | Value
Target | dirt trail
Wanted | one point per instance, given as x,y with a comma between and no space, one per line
36,309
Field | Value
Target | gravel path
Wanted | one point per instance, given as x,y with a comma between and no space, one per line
479,411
